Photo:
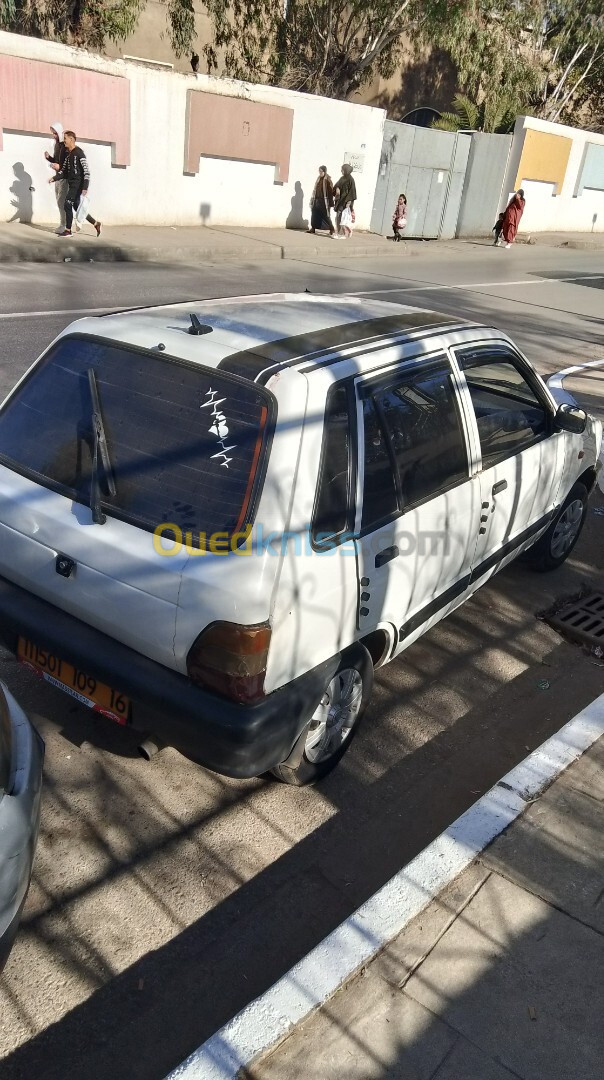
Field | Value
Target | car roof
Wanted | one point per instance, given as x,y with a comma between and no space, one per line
253,335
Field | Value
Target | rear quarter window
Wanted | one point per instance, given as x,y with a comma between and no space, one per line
187,445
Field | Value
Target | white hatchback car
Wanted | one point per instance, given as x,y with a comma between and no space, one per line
217,518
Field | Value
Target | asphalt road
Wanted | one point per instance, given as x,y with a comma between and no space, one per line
164,898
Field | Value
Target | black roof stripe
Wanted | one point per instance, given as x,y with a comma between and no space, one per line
380,344
303,347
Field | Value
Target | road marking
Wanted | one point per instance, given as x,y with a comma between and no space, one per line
271,1017
428,287
555,381
59,311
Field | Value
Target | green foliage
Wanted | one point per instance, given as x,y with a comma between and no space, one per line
568,43
490,115
82,22
181,25
330,47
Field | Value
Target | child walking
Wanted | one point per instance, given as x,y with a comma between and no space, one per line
497,227
399,218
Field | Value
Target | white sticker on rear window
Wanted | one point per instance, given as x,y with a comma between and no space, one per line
219,427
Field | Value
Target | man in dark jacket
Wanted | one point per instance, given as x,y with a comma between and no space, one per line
56,160
76,172
345,193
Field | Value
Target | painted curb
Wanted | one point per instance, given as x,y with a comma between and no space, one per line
265,1022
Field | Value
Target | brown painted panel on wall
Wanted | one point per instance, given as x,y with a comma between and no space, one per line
544,157
238,130
34,94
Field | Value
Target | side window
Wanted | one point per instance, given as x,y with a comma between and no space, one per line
380,502
509,414
332,504
421,434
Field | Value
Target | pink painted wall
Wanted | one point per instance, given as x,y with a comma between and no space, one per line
96,106
238,130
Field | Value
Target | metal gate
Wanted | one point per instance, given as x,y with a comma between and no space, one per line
429,167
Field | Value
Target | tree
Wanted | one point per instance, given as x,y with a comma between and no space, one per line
91,23
488,116
568,40
330,47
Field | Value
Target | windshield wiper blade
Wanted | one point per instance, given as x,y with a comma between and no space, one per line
100,450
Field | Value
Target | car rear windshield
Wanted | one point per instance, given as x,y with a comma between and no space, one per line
185,444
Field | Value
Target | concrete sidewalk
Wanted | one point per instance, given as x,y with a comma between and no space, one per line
189,246
205,245
501,976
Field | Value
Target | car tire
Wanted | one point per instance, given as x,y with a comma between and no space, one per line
334,723
557,542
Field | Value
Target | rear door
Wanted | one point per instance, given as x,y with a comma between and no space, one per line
185,445
419,511
520,455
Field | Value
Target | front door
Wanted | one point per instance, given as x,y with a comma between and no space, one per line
522,457
419,513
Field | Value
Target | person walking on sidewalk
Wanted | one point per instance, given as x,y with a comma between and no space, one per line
77,173
56,160
497,227
345,194
511,218
322,202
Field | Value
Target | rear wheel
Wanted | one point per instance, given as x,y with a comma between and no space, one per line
334,722
561,536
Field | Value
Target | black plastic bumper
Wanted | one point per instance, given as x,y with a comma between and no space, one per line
237,740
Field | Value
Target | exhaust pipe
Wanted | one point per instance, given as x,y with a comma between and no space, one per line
150,746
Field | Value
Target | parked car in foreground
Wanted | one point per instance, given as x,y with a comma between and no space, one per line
21,759
216,519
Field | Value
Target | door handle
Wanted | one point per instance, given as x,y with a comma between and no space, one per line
385,556
499,486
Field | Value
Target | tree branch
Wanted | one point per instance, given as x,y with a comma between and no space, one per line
385,35
574,87
577,56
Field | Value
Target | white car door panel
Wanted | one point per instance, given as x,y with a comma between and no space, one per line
522,457
420,510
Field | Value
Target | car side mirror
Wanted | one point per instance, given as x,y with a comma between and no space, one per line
571,418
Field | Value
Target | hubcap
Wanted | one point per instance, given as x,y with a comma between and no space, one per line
335,717
567,529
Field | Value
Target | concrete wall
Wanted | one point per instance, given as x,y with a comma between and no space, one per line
155,188
562,172
485,174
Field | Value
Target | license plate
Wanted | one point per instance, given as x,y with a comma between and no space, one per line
84,688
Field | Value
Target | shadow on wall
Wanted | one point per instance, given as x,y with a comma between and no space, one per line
22,190
295,218
425,80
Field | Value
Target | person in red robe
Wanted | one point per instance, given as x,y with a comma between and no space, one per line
511,218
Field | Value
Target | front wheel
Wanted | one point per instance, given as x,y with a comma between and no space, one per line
558,541
334,722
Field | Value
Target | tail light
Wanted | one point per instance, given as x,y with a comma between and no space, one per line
231,659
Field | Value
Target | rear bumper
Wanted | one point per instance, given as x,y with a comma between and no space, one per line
19,822
237,740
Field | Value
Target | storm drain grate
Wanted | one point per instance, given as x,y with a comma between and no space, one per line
583,620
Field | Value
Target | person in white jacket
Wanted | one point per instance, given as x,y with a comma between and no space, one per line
56,161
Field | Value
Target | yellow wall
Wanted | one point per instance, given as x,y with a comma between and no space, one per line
544,157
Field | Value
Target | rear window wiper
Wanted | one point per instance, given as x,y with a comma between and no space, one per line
100,450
